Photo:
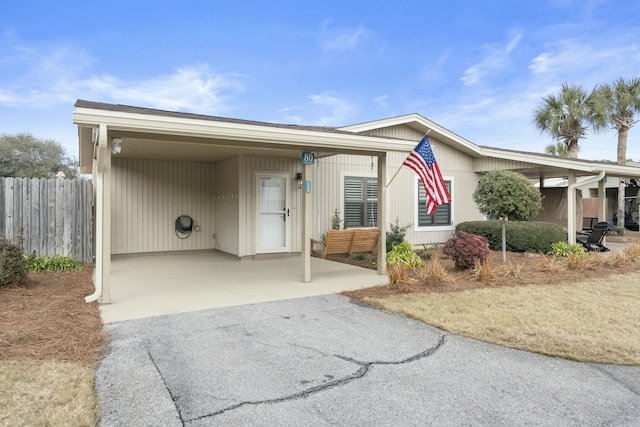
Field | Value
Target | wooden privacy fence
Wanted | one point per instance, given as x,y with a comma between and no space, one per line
54,215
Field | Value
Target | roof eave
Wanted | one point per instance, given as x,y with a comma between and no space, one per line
612,170
179,126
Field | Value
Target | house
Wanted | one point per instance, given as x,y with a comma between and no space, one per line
255,189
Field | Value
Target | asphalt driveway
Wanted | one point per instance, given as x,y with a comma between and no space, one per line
326,360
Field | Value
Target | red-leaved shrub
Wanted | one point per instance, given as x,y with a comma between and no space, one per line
466,249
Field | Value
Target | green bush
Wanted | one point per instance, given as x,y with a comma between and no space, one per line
466,250
403,255
56,263
396,234
13,265
424,254
564,249
522,236
359,256
336,220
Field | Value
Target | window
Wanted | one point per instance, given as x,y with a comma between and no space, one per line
360,202
442,215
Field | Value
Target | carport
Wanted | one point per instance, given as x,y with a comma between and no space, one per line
115,136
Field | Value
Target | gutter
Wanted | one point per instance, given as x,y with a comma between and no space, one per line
97,279
571,203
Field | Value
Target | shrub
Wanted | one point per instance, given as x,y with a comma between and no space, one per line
433,272
564,249
551,264
512,270
576,261
336,221
402,254
13,264
466,249
359,256
632,252
56,263
616,259
483,271
396,234
522,236
398,275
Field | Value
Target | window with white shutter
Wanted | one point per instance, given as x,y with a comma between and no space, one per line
360,202
442,215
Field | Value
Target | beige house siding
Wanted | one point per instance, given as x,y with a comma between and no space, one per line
398,131
489,164
148,195
329,176
86,149
456,167
227,206
402,194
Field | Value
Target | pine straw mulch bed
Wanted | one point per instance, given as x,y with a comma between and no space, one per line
530,272
47,318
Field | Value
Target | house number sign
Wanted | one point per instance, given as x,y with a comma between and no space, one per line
308,158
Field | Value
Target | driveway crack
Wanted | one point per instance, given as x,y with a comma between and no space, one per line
173,398
360,373
617,380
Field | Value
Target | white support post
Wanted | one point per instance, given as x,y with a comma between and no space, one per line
307,219
382,214
571,207
602,200
106,230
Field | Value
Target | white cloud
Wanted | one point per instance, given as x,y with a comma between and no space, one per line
495,59
195,89
381,101
46,76
576,56
339,109
343,39
323,109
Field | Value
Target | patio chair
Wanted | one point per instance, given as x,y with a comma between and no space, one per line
593,240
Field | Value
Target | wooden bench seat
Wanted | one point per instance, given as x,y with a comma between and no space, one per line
350,241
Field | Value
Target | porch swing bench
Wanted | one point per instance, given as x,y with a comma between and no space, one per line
349,241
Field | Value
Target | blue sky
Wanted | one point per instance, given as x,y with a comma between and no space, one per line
476,68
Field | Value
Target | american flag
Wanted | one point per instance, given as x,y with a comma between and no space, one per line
423,163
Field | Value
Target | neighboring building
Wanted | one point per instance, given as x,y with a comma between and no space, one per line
244,184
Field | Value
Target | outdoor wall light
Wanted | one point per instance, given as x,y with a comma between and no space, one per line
116,148
299,178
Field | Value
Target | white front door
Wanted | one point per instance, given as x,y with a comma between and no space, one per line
273,212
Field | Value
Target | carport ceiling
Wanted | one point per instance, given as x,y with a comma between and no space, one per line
163,147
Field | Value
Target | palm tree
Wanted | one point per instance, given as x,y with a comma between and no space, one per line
568,115
621,101
558,149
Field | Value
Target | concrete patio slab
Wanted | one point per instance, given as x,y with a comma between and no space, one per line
168,284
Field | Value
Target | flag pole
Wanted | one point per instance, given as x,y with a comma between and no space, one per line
398,171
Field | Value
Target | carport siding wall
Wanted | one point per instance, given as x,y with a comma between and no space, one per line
148,195
227,206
